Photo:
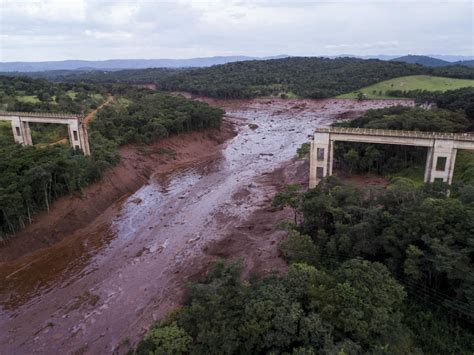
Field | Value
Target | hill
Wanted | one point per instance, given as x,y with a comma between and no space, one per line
301,76
467,63
422,60
308,77
118,64
409,83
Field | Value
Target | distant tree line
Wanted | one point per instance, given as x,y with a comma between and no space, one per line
307,77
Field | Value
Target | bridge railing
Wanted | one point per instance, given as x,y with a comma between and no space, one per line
397,133
41,114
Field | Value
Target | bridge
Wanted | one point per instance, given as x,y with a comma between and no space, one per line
441,149
22,134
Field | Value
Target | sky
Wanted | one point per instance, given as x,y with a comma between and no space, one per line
102,29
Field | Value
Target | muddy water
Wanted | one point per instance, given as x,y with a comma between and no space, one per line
101,287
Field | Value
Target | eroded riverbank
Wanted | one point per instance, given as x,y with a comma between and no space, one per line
119,277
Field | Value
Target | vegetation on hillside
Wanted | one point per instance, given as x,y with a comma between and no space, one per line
32,95
423,60
32,177
305,77
149,116
357,282
399,87
301,76
460,100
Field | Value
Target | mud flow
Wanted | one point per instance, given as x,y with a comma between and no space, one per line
100,287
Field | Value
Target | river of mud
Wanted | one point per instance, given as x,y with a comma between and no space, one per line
98,290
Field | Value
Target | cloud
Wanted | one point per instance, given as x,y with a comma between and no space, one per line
103,29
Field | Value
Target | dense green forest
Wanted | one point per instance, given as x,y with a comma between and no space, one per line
32,177
387,273
145,116
305,77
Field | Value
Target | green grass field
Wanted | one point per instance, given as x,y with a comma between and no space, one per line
414,82
28,98
72,94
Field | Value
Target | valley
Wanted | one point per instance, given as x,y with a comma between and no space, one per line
97,285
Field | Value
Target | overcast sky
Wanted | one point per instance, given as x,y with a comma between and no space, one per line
101,29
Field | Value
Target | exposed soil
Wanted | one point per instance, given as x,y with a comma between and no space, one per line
126,265
71,213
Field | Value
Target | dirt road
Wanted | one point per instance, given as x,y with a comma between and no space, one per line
100,288
88,118
91,114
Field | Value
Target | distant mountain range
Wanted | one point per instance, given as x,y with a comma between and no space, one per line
430,61
119,64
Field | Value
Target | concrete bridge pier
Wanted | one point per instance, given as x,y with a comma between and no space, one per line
440,161
21,131
322,156
78,137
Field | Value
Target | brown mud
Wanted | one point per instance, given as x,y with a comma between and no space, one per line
71,213
108,278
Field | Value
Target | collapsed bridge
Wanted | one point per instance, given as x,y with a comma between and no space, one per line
22,134
440,160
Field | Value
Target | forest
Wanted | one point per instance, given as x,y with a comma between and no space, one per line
32,177
454,100
357,282
307,77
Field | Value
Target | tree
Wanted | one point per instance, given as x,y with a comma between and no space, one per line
298,248
362,300
289,196
169,339
352,159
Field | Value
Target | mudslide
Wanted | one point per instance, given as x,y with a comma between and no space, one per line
99,288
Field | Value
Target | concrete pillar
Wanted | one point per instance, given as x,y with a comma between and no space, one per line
321,156
27,140
73,129
429,164
84,138
331,156
17,130
451,166
78,137
441,163
312,167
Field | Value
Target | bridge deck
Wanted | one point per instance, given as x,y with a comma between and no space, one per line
45,115
397,133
